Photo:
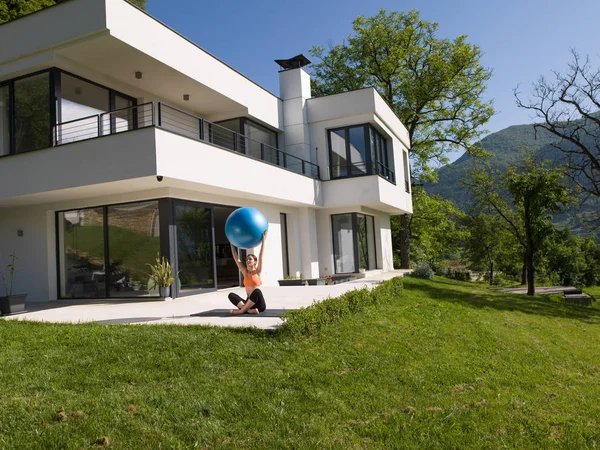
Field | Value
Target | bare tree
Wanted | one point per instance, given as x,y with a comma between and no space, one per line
568,106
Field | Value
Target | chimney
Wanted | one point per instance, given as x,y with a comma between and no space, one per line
294,89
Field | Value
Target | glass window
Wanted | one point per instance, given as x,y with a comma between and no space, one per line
32,113
284,244
406,171
371,243
133,242
4,120
194,247
363,247
260,135
339,164
81,256
343,243
80,99
353,231
358,151
123,117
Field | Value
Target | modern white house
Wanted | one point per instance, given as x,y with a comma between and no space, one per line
120,138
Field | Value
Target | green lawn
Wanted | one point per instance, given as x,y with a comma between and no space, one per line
445,365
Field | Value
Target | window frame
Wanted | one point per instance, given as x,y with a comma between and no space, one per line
54,99
355,240
379,151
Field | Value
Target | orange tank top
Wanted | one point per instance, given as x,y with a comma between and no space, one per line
252,280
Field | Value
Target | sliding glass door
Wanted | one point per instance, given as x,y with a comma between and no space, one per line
354,245
195,247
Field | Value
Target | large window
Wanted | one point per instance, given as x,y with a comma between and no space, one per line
359,150
353,242
194,247
30,119
133,242
82,253
284,244
262,142
104,251
32,113
4,120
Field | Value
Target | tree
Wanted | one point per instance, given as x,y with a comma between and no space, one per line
568,107
535,190
435,228
433,85
13,9
489,245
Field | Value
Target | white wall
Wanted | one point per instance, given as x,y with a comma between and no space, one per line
33,271
45,29
163,44
218,169
119,157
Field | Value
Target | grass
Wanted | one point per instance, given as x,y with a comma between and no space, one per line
446,365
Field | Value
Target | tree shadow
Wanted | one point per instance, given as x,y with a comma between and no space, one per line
542,305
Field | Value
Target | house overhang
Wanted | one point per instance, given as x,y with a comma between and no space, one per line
114,43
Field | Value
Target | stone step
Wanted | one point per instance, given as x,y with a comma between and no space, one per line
578,299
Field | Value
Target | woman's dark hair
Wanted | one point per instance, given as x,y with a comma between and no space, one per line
253,256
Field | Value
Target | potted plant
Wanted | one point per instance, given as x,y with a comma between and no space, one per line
161,276
10,304
291,280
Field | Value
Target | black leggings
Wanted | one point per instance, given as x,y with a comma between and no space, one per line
256,297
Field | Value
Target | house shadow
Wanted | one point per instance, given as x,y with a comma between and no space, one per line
542,305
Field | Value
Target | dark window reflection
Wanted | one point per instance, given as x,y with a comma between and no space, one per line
32,113
81,234
194,247
133,242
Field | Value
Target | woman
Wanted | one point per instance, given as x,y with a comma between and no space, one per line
255,302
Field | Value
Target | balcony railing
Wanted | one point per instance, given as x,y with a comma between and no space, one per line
194,127
360,169
182,123
104,124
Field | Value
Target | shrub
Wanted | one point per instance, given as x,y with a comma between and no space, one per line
423,271
311,319
458,274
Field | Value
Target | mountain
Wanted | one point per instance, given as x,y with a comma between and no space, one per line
506,147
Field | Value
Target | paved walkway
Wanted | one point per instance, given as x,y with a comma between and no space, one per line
205,309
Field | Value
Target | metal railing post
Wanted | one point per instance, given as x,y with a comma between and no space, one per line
303,167
99,125
159,114
201,129
262,151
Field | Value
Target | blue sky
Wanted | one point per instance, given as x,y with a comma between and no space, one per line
521,39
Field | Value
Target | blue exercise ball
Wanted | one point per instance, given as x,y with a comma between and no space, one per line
245,227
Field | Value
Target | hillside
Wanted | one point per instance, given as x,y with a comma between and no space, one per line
506,146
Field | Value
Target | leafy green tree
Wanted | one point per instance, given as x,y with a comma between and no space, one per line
535,190
488,244
569,259
435,228
434,86
13,9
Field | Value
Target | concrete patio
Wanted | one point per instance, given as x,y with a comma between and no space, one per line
205,309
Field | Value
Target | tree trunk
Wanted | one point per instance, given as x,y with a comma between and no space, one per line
524,269
491,272
405,241
529,252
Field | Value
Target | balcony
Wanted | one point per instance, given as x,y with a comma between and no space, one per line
182,123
